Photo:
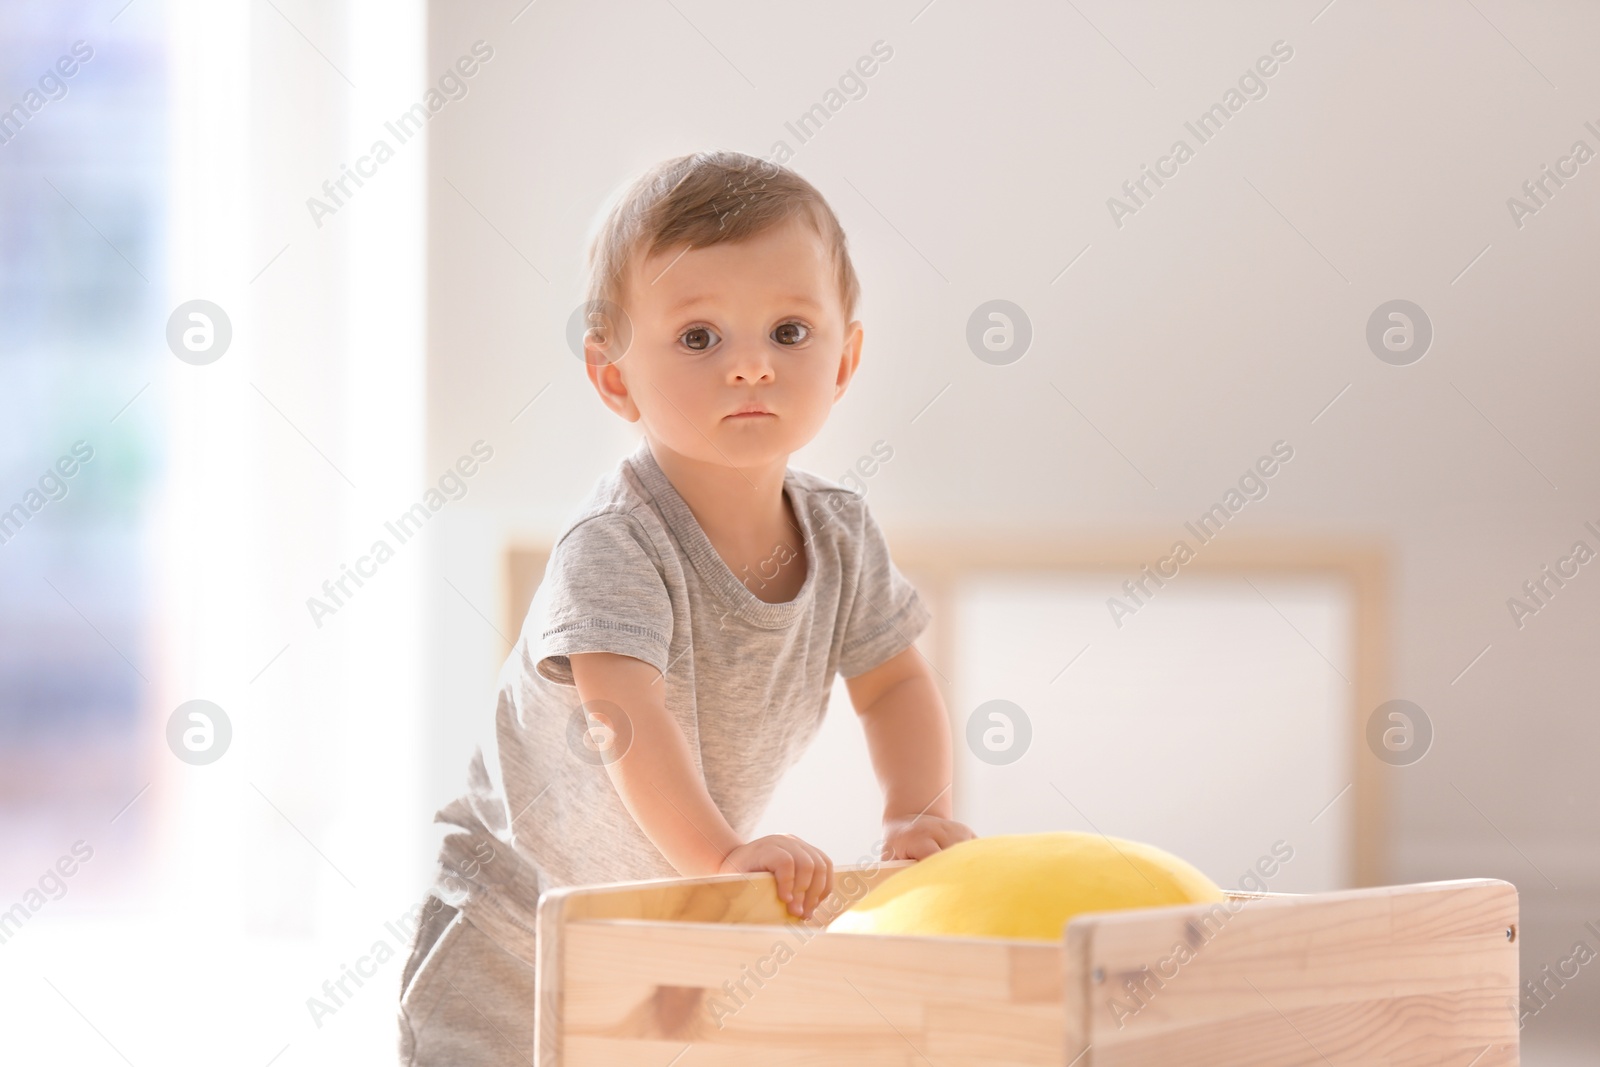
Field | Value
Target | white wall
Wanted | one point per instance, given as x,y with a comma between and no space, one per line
1225,315
1213,730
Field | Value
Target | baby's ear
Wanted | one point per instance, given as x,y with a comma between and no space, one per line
607,378
849,357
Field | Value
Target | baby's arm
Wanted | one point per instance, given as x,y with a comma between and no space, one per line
908,735
659,785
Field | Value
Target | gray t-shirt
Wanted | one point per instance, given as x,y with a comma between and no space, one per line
747,681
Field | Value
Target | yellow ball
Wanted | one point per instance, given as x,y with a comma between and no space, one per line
1025,886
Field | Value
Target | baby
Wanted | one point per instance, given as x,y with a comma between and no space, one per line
700,603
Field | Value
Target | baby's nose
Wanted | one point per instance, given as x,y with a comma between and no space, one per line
751,363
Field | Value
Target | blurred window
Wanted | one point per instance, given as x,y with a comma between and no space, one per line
83,113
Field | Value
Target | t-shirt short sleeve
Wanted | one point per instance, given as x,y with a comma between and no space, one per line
602,592
886,612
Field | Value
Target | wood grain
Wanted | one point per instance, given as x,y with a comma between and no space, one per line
713,971
1401,975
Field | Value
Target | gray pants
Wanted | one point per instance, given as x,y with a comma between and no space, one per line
464,1000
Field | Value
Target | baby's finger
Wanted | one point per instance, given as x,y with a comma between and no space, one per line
821,881
782,866
807,889
804,864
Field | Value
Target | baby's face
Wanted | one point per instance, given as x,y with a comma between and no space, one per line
716,330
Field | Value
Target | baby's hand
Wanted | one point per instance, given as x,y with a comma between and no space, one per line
914,837
804,872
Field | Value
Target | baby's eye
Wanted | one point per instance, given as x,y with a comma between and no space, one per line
693,339
784,336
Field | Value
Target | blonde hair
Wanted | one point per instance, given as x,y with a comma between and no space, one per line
705,199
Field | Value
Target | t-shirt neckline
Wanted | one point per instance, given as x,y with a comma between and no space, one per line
703,554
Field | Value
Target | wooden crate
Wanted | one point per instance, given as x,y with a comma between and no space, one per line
713,971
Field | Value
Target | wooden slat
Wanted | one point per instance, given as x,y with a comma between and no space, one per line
590,1050
549,991
726,898
761,986
729,898
707,954
764,991
1403,975
1403,1032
